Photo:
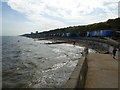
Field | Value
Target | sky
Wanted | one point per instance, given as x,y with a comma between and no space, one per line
25,16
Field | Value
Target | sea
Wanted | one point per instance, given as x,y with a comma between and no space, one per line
31,63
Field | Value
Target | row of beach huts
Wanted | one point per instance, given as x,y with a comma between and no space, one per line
96,33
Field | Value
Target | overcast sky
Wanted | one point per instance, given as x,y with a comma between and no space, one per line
25,16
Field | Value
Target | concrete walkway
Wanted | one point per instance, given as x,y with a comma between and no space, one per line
102,71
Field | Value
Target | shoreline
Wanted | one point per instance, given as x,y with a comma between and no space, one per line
85,70
99,45
60,41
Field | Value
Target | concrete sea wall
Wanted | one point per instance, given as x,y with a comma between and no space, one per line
78,76
103,46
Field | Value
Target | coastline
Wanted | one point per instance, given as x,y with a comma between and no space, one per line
105,63
100,46
70,41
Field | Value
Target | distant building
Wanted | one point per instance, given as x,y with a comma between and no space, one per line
31,32
36,32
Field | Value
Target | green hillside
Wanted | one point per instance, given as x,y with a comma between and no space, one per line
111,24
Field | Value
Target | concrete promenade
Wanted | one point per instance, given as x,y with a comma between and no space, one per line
102,71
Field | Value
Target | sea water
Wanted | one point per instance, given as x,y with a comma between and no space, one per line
30,63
